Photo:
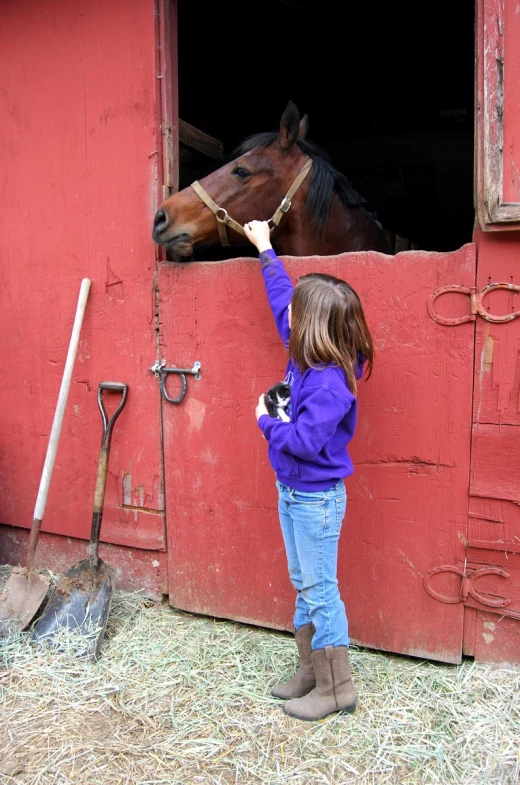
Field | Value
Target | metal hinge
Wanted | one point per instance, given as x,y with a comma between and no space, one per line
467,588
160,371
476,303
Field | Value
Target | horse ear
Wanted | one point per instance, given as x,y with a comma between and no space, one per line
289,126
304,127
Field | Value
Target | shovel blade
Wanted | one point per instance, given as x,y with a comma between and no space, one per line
20,599
78,610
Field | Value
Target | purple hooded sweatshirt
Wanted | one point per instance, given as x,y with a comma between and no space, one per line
309,453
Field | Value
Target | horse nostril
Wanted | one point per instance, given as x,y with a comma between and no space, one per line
160,221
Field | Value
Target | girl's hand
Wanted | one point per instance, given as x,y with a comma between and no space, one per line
258,233
261,407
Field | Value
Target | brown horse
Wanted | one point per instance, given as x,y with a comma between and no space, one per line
280,177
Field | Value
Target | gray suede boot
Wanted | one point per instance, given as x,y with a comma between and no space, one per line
334,690
303,680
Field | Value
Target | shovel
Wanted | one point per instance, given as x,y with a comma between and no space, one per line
83,595
25,590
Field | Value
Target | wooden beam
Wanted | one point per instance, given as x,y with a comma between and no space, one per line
198,140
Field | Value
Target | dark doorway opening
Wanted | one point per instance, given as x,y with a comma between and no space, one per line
389,90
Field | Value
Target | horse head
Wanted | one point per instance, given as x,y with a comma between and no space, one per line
250,187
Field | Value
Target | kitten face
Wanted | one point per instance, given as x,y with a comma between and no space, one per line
277,400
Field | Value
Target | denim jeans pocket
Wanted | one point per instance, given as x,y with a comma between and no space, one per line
313,498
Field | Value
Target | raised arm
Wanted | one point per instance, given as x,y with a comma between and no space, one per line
278,285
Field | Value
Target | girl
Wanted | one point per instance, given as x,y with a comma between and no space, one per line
322,324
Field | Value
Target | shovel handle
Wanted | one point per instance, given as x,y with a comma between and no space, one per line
109,424
57,423
101,479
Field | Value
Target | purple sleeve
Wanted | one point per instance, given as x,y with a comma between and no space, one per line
279,288
319,412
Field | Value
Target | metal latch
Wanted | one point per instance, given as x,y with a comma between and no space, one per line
160,371
476,303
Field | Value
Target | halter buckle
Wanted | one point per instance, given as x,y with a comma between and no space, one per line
285,205
217,216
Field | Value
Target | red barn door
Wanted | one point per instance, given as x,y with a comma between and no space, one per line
408,498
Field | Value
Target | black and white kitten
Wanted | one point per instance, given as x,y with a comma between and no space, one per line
277,401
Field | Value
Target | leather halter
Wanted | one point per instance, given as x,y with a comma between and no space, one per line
223,219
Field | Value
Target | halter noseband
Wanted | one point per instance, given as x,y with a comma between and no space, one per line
223,219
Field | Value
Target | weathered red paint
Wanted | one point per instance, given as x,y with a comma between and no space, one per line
493,633
84,115
494,513
135,569
511,141
79,172
408,498
497,196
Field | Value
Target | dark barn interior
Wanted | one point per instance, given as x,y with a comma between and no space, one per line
389,90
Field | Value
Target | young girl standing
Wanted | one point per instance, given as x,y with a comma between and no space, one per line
322,324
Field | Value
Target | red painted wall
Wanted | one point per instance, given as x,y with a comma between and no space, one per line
79,144
494,510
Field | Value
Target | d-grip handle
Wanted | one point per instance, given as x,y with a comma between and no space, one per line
101,479
108,424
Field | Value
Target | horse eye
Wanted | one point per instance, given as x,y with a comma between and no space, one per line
241,172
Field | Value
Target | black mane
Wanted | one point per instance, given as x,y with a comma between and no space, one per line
325,179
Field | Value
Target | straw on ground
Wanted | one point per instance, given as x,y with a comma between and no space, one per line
181,699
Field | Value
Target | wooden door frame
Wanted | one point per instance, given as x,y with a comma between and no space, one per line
168,97
496,26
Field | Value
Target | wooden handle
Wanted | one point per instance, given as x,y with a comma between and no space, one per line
52,447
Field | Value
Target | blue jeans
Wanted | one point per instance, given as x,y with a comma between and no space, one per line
311,525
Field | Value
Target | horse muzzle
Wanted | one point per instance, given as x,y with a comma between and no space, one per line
166,233
163,230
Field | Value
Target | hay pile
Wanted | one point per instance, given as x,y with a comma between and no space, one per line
180,699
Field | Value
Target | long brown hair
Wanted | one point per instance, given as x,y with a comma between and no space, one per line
328,326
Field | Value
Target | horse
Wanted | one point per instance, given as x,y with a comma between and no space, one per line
279,177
